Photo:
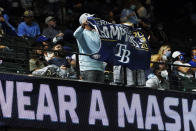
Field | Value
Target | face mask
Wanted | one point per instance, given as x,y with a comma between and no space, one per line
181,58
132,7
168,53
164,57
194,57
164,74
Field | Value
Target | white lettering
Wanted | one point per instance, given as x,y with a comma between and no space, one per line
24,100
45,94
114,32
106,32
6,101
189,116
96,99
125,53
123,32
168,102
119,49
69,106
150,119
131,112
125,56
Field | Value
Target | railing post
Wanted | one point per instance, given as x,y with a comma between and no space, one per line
77,66
169,70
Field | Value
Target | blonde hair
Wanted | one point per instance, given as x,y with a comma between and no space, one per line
158,57
162,49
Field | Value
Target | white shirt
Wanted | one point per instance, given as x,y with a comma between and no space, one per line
153,81
181,73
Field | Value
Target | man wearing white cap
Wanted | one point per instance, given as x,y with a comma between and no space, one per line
179,60
88,41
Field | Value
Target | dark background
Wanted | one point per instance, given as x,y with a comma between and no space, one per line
177,17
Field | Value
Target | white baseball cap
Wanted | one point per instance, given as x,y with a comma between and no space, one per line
49,18
176,54
83,17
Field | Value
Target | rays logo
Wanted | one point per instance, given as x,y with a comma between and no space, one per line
123,53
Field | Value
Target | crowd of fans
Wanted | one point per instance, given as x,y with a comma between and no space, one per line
51,23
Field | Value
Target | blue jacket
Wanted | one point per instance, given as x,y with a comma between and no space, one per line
88,43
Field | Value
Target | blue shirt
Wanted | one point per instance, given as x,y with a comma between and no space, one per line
30,31
124,14
192,63
88,43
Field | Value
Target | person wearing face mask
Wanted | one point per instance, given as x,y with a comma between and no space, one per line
193,60
156,79
128,14
163,55
166,55
193,56
182,71
183,74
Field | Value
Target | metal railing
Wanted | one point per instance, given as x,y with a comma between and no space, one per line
16,60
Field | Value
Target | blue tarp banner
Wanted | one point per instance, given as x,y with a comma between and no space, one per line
121,45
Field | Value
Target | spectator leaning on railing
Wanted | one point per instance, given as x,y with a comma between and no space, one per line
155,80
179,60
183,72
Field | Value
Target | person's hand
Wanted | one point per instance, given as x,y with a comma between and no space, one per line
131,14
2,46
45,43
63,67
2,19
60,35
84,24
